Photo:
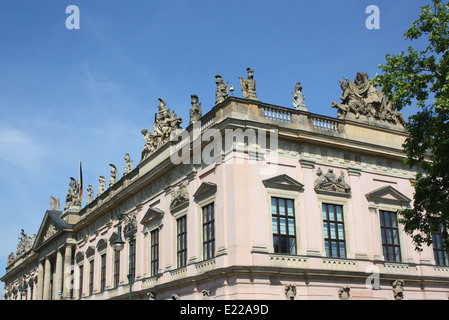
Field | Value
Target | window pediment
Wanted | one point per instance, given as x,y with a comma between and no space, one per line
205,190
283,182
152,214
90,251
102,244
79,256
388,195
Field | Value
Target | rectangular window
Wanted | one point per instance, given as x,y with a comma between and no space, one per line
116,268
91,277
208,232
390,236
81,280
333,230
283,225
103,273
441,255
182,241
154,265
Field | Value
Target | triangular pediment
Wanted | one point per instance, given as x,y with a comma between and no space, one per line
51,225
388,194
284,182
204,190
152,214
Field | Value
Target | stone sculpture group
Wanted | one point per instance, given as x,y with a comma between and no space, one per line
361,100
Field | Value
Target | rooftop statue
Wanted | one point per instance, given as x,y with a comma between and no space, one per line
90,194
73,197
222,91
128,165
24,244
195,111
54,203
298,98
114,175
166,125
11,259
361,101
249,85
101,186
151,143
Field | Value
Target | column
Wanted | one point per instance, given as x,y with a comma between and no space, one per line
46,295
67,284
58,281
40,281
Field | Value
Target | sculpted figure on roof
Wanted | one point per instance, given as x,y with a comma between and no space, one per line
166,125
195,111
362,101
222,91
249,85
73,196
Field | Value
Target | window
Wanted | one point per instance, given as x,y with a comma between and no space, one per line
390,236
154,252
208,232
116,268
81,281
103,273
333,230
91,277
283,225
441,255
182,241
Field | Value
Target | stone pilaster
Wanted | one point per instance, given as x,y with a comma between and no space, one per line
40,281
47,289
58,276
67,285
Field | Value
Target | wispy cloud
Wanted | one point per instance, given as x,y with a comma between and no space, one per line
20,148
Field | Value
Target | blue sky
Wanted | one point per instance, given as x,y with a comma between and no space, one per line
67,95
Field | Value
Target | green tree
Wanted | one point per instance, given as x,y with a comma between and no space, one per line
422,77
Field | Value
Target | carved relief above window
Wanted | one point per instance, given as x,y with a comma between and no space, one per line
180,197
331,184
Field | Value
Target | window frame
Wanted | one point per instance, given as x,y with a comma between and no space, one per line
154,252
80,280
91,277
385,235
437,250
208,232
116,275
103,272
328,237
181,241
278,217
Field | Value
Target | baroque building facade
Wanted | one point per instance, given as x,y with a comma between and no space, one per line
250,201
